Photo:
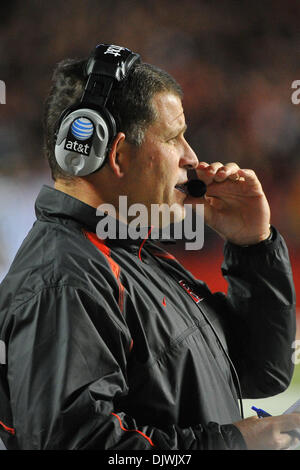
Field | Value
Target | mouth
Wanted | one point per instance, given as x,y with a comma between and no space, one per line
182,188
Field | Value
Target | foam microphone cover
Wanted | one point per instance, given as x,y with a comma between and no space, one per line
196,188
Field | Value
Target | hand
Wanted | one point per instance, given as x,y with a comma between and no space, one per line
269,433
235,205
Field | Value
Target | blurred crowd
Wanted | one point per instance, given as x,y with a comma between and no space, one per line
236,62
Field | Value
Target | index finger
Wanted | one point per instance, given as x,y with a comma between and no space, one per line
289,422
216,171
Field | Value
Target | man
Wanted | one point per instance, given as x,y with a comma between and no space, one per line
112,344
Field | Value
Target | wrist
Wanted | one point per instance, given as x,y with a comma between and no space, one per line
267,242
264,238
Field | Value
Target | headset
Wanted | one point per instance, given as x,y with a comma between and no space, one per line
85,131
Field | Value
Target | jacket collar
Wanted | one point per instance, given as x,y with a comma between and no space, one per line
56,206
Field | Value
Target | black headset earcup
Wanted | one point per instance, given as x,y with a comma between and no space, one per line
82,141
85,133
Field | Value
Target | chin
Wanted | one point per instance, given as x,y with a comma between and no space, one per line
164,214
179,214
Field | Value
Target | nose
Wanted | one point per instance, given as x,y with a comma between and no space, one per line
189,159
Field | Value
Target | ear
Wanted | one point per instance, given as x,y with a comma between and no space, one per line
118,155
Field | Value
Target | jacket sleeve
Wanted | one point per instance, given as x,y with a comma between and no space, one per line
67,363
260,321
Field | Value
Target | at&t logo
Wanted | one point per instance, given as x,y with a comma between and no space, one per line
82,129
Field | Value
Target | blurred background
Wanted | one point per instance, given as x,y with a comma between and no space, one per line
236,62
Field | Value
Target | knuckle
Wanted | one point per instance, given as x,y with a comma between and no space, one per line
249,171
232,164
216,165
280,441
277,443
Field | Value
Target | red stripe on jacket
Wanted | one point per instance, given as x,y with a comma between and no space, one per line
133,430
100,244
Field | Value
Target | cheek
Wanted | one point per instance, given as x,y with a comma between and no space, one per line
157,170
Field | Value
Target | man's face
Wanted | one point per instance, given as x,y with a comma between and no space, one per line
163,159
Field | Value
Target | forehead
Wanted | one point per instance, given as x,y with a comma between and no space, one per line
169,110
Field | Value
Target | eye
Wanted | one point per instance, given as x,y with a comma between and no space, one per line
173,139
176,138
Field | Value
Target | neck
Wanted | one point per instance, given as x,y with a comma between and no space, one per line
81,189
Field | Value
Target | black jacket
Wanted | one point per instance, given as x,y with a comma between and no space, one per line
116,346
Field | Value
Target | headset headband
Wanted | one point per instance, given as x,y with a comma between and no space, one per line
107,65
